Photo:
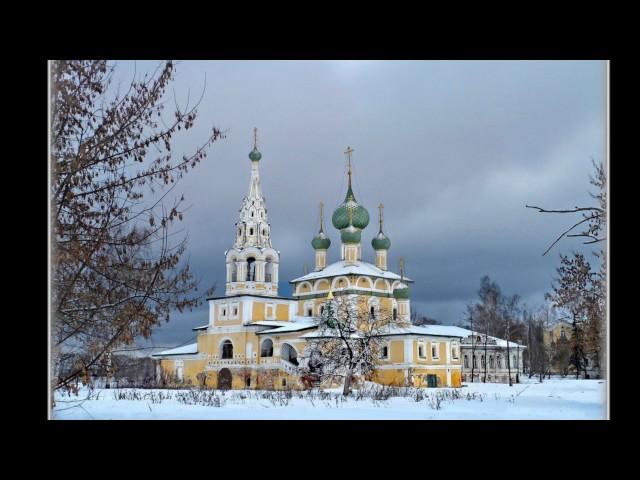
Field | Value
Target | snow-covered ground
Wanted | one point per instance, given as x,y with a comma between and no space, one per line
553,399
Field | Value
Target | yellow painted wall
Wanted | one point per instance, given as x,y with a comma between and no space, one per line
456,378
389,377
282,312
397,351
380,284
258,311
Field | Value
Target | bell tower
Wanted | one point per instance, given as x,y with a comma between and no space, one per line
252,263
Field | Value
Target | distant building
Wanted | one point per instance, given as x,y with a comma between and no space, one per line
560,335
499,360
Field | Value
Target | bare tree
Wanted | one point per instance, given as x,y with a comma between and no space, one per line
594,217
488,314
469,317
117,268
510,310
588,326
572,292
349,339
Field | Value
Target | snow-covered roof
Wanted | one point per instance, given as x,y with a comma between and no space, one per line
292,327
499,342
185,350
427,330
269,323
352,268
325,334
432,330
202,327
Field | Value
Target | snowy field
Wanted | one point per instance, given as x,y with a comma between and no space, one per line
555,399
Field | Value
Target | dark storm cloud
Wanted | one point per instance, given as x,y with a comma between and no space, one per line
454,150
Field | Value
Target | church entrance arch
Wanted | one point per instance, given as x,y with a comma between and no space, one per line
288,353
224,379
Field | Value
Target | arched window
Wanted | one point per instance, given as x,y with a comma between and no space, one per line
268,271
395,313
227,349
251,269
482,360
266,350
466,361
234,270
289,354
372,312
475,362
251,231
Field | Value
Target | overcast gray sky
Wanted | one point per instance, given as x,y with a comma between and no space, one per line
454,150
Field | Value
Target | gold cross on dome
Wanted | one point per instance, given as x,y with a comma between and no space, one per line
348,152
381,207
255,138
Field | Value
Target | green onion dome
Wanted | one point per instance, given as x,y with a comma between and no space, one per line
381,242
360,215
350,234
320,242
255,155
401,292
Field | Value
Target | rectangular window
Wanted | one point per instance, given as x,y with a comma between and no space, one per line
435,351
455,352
384,352
421,351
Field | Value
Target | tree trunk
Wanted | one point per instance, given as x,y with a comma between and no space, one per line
347,382
473,349
509,357
484,380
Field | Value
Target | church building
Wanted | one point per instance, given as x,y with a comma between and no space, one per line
254,338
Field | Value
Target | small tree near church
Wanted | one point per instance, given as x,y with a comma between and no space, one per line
350,338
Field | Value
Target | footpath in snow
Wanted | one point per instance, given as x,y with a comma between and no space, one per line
554,399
